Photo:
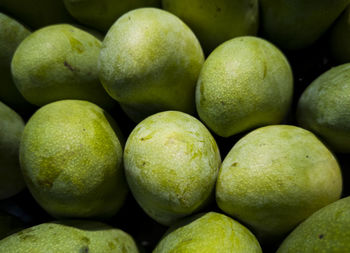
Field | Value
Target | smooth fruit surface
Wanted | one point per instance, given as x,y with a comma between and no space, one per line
69,236
171,162
11,128
246,82
327,230
71,159
324,108
209,233
149,62
275,177
59,62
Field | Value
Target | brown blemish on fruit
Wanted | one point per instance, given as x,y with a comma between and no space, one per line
66,64
320,236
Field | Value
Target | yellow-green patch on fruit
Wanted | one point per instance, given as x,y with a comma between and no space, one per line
209,233
69,236
327,230
171,163
214,22
149,62
101,14
71,159
11,128
275,177
59,62
324,108
245,83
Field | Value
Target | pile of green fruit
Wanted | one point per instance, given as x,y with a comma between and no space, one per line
172,126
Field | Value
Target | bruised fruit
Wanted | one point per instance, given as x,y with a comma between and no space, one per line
171,163
11,128
149,62
59,62
69,236
244,83
275,177
71,159
209,233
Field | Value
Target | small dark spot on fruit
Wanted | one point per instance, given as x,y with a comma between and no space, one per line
84,249
218,9
27,237
307,156
85,239
234,164
222,102
143,163
68,66
84,129
111,245
320,236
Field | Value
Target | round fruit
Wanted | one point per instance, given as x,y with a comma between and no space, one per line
327,230
171,163
275,177
324,108
69,236
59,62
245,83
11,128
214,22
209,233
149,62
71,158
101,14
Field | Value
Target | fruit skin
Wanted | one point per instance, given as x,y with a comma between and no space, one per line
246,82
327,230
297,24
59,62
11,35
71,158
339,37
275,177
37,13
101,14
209,233
149,62
171,163
69,236
215,22
11,128
324,107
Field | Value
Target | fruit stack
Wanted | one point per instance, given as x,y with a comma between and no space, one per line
174,126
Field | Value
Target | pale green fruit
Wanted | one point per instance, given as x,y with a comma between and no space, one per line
296,24
209,233
149,62
325,231
324,108
9,224
245,83
214,22
101,14
71,159
59,62
171,163
340,38
37,13
275,177
11,128
11,35
69,236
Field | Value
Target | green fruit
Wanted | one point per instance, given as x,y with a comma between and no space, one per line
171,163
209,233
324,108
101,14
245,83
71,159
275,177
327,230
149,62
11,35
37,13
59,62
340,38
9,224
214,22
11,128
297,24
69,236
